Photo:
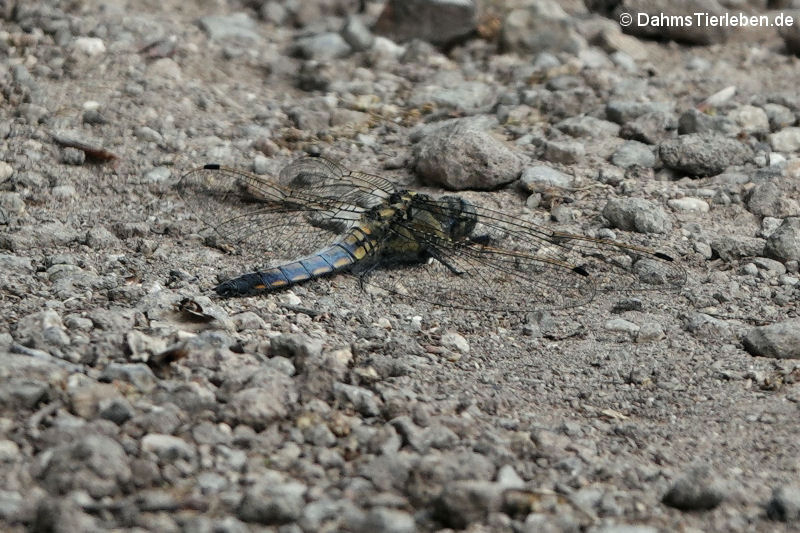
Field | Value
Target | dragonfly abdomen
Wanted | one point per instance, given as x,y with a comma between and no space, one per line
355,246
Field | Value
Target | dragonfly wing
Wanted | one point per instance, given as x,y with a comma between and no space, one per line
264,219
325,178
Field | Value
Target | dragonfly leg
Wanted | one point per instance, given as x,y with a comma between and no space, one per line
441,259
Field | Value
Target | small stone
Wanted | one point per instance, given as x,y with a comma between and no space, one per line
566,152
697,490
508,478
6,171
357,35
703,154
248,321
588,126
388,521
465,502
91,46
784,504
538,27
636,214
138,374
541,176
780,340
689,204
634,153
99,238
702,34
94,463
149,134
453,341
64,192
261,406
786,140
9,451
93,116
650,128
361,399
695,121
784,243
766,200
272,503
621,325
118,410
167,447
158,175
731,247
649,332
751,119
73,156
237,26
623,111
459,155
323,46
779,116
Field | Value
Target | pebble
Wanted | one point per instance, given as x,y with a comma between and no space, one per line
6,171
436,22
588,126
786,140
634,153
91,46
650,128
703,154
732,247
538,176
73,156
101,461
636,214
780,340
620,325
363,400
784,505
689,203
783,244
623,111
388,521
650,332
323,46
261,406
751,119
566,152
137,374
454,341
766,200
236,26
697,490
779,116
694,121
271,502
149,134
464,502
168,448
357,35
460,154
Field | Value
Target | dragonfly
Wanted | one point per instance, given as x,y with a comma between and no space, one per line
317,218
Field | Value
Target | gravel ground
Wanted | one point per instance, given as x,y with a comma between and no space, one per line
132,398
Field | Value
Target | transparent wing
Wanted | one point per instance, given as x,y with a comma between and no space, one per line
507,264
311,203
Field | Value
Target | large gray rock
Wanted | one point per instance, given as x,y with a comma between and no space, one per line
784,243
95,463
703,154
636,214
437,22
461,154
780,340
